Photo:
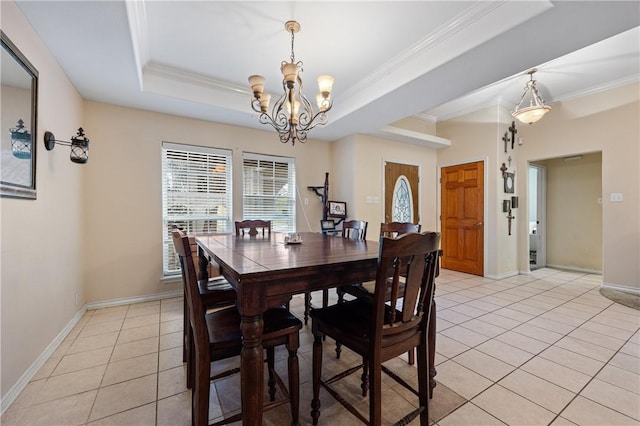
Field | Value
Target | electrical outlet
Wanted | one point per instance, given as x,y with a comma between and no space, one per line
616,197
306,201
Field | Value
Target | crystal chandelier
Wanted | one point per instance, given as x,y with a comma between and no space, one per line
536,109
292,114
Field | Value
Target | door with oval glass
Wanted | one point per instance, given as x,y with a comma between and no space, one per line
401,195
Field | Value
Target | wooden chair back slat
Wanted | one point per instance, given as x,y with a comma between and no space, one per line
253,227
355,229
395,229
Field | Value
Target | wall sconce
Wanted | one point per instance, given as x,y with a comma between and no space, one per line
79,145
507,205
20,141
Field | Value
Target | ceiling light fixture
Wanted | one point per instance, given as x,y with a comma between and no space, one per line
292,123
536,109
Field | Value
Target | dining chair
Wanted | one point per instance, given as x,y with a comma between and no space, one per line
391,230
217,336
216,292
253,227
381,328
351,229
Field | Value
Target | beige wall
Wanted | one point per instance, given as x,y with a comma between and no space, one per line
607,122
123,237
41,256
478,137
574,212
358,162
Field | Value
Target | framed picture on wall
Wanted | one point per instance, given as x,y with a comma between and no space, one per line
509,183
338,209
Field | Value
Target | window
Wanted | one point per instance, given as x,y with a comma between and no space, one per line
402,204
269,190
196,194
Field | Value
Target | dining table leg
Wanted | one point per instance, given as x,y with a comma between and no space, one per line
252,370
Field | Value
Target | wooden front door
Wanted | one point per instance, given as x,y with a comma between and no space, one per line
402,181
462,217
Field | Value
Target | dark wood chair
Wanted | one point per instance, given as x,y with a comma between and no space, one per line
215,292
253,227
352,229
390,230
217,336
374,330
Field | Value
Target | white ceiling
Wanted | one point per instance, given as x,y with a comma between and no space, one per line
391,60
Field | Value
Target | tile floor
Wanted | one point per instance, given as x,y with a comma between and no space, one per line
536,349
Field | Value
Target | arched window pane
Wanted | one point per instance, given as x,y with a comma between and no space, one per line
402,204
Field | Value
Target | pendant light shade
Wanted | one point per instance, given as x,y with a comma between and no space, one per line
535,109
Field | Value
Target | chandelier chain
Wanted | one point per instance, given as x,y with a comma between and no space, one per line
293,57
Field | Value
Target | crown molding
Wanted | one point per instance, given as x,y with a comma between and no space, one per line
186,77
597,89
136,15
410,136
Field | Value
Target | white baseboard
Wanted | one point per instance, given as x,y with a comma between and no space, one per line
24,380
622,288
134,299
502,276
574,269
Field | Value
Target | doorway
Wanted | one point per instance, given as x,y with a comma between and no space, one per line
462,217
537,219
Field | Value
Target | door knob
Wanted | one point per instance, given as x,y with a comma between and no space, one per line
479,224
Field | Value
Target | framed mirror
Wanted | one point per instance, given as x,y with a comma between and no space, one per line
19,97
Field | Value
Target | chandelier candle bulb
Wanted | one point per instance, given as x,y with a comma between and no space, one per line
325,83
257,84
290,73
264,102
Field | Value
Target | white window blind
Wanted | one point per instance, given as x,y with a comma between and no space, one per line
269,190
196,194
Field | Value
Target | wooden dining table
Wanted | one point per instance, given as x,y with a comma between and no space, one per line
266,271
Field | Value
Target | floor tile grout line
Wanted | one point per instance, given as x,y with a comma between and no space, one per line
157,413
593,377
549,310
93,403
535,355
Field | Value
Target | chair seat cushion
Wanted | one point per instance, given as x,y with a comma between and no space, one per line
224,329
348,323
366,290
217,292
